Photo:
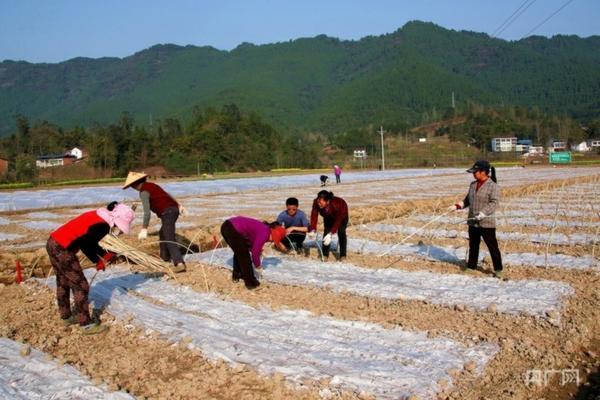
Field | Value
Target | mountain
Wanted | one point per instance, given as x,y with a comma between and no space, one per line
319,83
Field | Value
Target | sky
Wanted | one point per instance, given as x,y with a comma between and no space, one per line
57,30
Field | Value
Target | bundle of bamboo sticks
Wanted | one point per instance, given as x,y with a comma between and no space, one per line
136,256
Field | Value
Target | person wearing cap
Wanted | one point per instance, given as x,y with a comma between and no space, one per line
338,172
482,201
155,199
246,237
295,223
83,233
334,211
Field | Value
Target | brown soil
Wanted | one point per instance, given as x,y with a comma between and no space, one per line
149,367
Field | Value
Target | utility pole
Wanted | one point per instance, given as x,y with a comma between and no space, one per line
382,150
453,103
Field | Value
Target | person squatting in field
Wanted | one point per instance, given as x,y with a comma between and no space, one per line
247,237
482,200
83,233
334,211
155,199
295,223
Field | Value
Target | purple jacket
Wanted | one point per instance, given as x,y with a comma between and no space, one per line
255,231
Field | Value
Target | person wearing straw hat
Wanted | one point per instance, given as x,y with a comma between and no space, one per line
155,199
334,211
83,233
247,237
482,201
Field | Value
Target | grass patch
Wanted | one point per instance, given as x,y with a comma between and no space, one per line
9,186
86,181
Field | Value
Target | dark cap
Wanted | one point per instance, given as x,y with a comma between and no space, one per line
480,165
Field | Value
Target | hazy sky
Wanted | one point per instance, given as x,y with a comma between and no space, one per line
57,30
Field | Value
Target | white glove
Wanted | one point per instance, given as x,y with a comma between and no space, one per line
480,216
312,235
327,239
453,207
143,234
182,211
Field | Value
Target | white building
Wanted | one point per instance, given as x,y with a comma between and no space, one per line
581,147
504,144
76,152
593,143
558,145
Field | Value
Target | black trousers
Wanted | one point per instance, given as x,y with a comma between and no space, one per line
242,263
489,237
169,249
294,240
343,239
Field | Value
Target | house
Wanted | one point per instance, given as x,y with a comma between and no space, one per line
504,144
54,160
3,166
77,152
593,144
536,150
557,145
581,147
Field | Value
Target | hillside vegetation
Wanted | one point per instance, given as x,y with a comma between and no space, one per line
318,84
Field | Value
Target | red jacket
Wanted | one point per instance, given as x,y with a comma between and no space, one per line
159,199
336,210
83,232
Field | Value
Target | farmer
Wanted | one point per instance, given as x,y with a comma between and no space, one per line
482,200
335,218
295,223
323,179
338,172
155,199
246,237
83,233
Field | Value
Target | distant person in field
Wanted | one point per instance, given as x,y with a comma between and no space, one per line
334,211
247,237
323,179
83,233
155,199
482,200
338,173
295,223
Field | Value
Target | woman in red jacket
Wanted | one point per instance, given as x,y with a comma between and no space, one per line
83,233
334,211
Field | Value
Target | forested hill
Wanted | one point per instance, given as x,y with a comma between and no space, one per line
318,83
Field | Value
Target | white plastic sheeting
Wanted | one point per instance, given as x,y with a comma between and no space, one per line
359,356
535,297
553,238
511,220
34,377
456,255
34,199
9,236
41,225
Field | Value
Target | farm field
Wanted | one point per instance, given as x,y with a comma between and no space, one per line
395,320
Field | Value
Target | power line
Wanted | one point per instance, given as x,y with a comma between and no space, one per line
551,15
507,19
517,16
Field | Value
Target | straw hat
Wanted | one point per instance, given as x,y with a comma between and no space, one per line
133,177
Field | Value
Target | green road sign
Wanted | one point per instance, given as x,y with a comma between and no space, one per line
560,157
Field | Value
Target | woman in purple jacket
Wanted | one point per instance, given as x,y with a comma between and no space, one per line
246,237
